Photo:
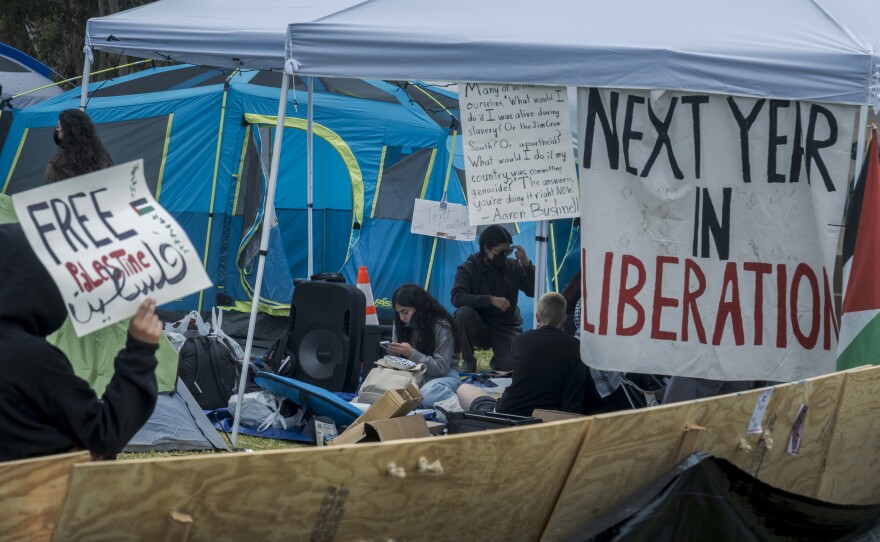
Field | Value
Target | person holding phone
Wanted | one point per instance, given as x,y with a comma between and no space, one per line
486,292
425,332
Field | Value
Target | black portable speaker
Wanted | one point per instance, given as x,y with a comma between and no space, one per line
371,350
326,322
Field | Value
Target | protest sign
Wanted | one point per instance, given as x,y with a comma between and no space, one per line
107,245
519,160
441,219
710,227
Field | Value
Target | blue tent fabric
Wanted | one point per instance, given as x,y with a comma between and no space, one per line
203,141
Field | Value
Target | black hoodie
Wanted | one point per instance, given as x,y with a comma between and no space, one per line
44,407
476,282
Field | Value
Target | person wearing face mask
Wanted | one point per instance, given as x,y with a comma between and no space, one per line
424,332
485,294
80,150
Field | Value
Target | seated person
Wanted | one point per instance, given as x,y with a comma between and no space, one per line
424,332
547,368
44,407
486,292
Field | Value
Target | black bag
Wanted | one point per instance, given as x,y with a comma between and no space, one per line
469,422
278,359
208,368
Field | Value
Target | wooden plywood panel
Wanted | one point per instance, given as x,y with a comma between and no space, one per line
31,491
625,452
621,453
852,468
726,420
498,484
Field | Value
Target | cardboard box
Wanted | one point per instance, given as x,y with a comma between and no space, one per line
554,415
392,404
404,427
436,428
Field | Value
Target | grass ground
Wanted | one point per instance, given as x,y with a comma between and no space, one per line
246,442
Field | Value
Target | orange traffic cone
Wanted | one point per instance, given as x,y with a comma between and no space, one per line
363,285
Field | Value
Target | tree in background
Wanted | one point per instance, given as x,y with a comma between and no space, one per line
53,31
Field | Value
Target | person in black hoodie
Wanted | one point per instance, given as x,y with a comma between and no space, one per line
485,294
44,407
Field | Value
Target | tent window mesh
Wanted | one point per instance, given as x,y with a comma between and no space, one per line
125,141
403,176
183,78
7,65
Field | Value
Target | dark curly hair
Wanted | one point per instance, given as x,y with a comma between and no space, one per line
80,151
428,312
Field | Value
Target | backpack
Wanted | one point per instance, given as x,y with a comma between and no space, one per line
278,359
208,368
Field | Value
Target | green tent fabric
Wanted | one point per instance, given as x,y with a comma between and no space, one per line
92,356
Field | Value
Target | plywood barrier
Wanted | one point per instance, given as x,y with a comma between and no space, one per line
498,485
852,467
624,452
31,491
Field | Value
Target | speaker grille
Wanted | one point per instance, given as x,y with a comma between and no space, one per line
320,352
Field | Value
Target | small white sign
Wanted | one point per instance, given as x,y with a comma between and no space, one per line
108,244
758,413
440,219
519,158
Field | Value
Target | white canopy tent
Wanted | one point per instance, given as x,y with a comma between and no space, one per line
786,49
225,34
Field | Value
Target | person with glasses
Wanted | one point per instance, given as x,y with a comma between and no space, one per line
485,294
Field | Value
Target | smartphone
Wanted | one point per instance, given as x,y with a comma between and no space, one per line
385,344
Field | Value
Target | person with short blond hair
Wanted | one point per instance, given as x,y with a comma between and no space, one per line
547,368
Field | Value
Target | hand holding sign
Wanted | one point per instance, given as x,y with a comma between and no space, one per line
145,326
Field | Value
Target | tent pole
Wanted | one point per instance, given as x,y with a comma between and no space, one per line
860,146
268,221
87,68
540,262
310,164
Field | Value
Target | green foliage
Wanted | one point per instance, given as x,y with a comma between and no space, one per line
53,31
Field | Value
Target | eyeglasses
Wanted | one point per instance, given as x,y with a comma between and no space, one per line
501,251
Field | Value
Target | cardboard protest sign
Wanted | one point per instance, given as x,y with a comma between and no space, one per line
519,160
440,219
108,244
710,227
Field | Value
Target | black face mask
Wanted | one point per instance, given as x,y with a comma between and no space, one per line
498,260
56,138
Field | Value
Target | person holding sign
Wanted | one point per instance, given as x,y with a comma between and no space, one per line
424,332
44,407
80,150
486,292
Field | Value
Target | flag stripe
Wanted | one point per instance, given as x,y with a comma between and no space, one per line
863,350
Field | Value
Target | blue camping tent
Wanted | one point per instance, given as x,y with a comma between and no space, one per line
205,136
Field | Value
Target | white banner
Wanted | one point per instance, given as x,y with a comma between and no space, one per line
442,219
108,244
518,157
710,227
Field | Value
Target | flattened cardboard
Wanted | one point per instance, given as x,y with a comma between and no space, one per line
392,404
396,429
404,427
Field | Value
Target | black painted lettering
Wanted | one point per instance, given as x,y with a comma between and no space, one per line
745,124
628,133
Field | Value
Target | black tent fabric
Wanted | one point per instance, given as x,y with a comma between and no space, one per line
706,498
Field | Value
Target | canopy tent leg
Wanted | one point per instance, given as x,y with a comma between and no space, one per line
87,69
860,146
540,262
268,220
309,165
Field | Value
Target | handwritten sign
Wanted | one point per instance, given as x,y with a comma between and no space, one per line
108,244
518,155
710,232
449,221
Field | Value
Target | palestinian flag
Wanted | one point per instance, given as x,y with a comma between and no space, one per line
142,206
859,342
